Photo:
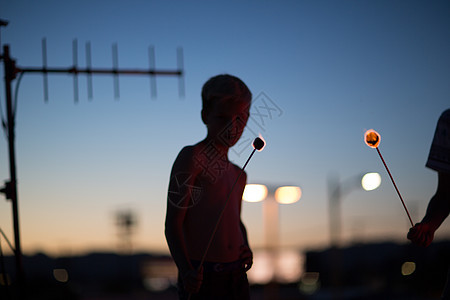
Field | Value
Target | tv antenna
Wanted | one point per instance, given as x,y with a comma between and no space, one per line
74,70
11,70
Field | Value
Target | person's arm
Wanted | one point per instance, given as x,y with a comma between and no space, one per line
192,279
437,211
439,206
177,205
246,253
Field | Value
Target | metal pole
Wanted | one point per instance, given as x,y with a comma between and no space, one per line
10,71
9,77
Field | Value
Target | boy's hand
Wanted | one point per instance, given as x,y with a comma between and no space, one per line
421,234
192,280
246,257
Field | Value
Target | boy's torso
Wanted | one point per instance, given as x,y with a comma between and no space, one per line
214,181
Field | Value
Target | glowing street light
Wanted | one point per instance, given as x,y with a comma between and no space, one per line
281,195
336,190
271,198
284,195
255,192
371,181
288,194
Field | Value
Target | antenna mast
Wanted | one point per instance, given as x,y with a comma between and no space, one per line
10,72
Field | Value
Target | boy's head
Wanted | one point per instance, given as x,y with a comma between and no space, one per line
226,103
224,87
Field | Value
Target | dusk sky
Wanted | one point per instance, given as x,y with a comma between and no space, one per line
328,71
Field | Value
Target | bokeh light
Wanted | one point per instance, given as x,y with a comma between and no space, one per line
262,270
408,268
371,181
309,283
61,275
288,194
289,266
254,192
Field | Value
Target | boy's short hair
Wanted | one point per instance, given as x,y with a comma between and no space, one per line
224,86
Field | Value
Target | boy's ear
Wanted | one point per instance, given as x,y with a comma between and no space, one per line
204,118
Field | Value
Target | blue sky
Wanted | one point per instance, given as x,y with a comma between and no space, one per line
332,68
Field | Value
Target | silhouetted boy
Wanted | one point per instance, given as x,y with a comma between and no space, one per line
200,182
439,206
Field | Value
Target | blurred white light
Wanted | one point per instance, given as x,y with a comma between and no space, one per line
254,192
288,194
262,270
289,266
371,181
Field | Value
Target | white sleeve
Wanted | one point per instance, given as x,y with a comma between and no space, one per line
439,156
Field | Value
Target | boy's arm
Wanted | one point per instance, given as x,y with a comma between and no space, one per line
437,211
246,253
175,238
182,178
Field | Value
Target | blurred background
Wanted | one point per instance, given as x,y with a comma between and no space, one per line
93,164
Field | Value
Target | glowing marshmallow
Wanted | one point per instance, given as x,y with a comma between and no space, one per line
372,138
259,143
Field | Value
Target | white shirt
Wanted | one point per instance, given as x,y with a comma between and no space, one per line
439,156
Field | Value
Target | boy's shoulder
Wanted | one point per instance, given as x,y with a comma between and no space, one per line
188,156
200,157
190,151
